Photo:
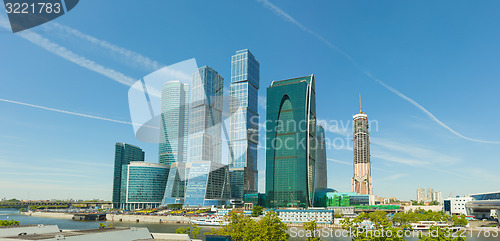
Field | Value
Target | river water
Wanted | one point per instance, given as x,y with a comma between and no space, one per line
8,214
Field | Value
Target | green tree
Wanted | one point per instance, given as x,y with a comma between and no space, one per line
256,211
366,225
311,228
459,221
182,230
271,228
9,223
240,227
195,230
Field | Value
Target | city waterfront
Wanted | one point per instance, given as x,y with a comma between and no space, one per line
67,224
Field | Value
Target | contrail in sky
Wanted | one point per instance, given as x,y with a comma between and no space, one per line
74,113
127,54
70,56
278,11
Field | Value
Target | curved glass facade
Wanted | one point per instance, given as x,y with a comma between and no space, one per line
291,142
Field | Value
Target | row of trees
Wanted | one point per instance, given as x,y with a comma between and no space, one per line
404,219
381,222
242,227
270,227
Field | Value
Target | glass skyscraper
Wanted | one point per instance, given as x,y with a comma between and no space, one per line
124,154
206,116
244,137
174,122
143,185
321,181
291,142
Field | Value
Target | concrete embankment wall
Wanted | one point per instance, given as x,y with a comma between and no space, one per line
49,215
146,218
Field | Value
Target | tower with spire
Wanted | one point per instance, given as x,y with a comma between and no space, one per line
362,179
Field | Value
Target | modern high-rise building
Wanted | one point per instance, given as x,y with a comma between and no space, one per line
124,154
362,179
206,116
321,181
174,122
291,142
244,127
143,185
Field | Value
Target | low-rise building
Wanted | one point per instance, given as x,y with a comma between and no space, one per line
484,205
52,232
435,208
305,215
342,199
456,205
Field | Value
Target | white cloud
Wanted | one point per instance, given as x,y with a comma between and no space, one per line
341,162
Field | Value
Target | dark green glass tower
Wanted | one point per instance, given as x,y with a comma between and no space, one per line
124,154
291,142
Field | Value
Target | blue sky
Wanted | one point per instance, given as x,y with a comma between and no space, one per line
442,55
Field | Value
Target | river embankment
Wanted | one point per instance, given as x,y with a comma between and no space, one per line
117,217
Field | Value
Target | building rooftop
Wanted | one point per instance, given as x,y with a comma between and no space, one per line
107,234
307,79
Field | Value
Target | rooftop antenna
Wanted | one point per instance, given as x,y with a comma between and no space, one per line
360,107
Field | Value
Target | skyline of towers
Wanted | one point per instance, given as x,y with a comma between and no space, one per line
362,179
244,120
124,155
206,108
191,143
291,142
174,123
